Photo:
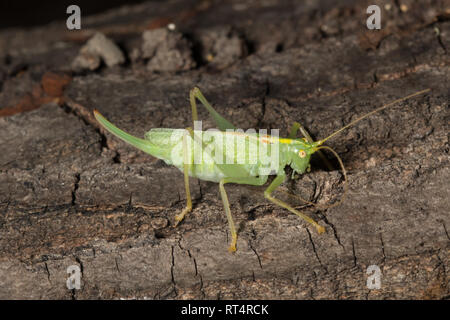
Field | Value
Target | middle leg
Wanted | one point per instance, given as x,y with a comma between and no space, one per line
186,163
255,181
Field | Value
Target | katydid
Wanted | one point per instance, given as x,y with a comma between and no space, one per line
175,147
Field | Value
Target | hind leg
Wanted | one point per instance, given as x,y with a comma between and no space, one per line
221,122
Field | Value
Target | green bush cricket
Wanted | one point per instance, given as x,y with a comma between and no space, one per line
177,147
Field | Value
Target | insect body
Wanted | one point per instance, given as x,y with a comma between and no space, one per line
226,154
229,156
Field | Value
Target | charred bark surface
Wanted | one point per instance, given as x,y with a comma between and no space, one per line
71,194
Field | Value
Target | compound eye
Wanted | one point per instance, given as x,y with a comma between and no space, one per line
302,153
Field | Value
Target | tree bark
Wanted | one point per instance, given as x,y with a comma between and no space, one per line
72,194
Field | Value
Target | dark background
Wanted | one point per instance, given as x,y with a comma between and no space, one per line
32,13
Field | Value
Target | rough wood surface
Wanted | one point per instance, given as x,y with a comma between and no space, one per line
72,194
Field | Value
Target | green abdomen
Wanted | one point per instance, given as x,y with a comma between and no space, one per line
213,155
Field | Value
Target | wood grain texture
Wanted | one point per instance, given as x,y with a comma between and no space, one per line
73,194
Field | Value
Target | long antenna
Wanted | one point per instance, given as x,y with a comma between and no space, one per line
372,112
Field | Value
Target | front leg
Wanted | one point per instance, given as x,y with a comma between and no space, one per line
268,195
186,163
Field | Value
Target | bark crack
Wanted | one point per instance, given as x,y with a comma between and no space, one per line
355,260
445,230
86,117
382,249
75,188
48,272
333,227
194,261
256,253
315,251
172,266
439,39
117,265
